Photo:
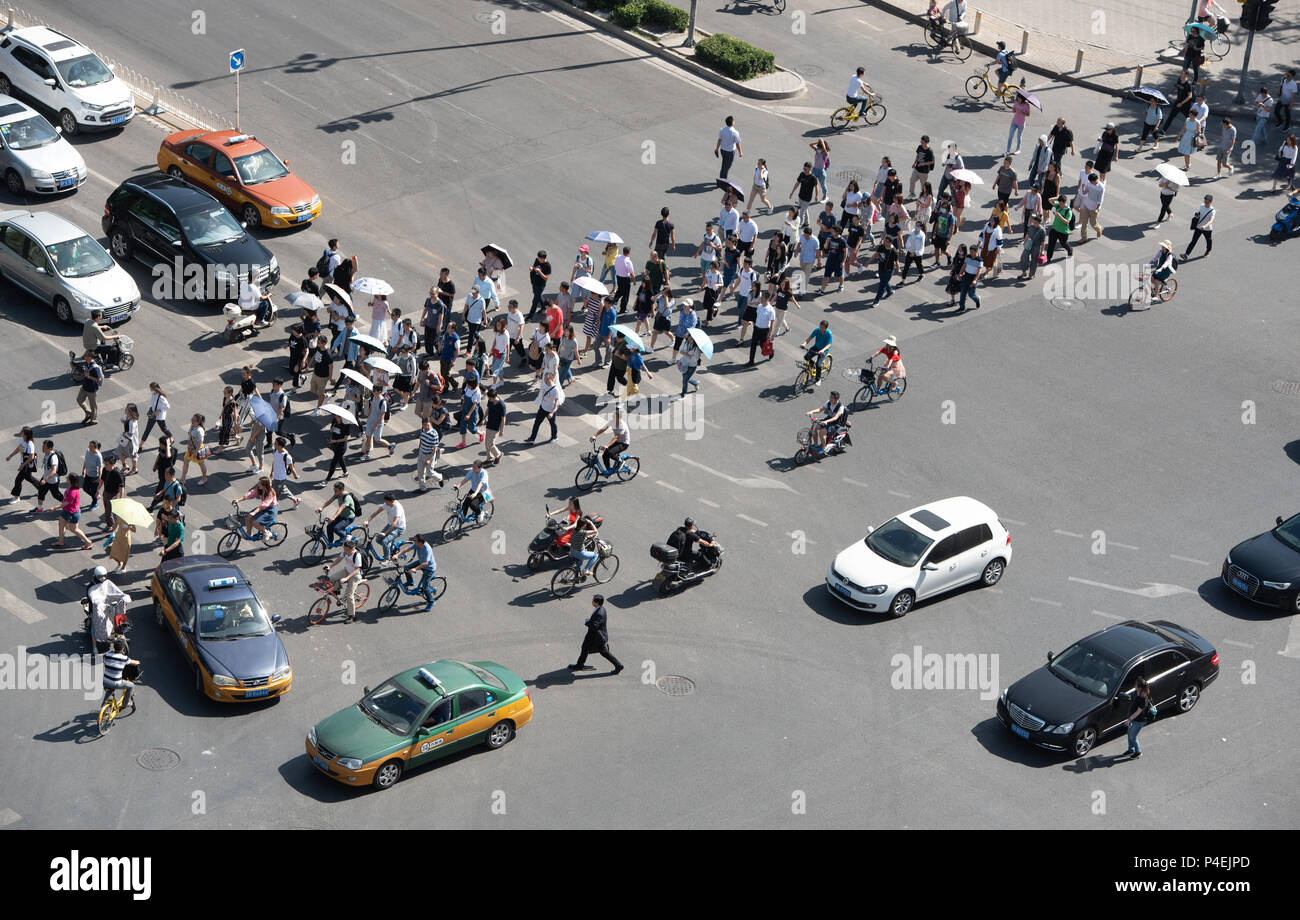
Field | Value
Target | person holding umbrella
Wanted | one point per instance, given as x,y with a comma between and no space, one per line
1151,121
1020,113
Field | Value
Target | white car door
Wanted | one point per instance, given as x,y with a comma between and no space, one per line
939,569
976,549
31,74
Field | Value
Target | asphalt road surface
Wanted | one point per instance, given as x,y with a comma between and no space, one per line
1173,432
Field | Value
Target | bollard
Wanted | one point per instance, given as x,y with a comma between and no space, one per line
1078,61
1137,76
979,15
1024,42
155,107
11,20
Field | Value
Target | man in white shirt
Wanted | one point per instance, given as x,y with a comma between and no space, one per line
1263,110
1203,226
763,321
729,219
1285,97
1091,193
707,251
746,233
396,525
550,396
251,298
913,250
744,287
728,145
281,469
856,94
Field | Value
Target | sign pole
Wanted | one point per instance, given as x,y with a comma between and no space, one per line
236,100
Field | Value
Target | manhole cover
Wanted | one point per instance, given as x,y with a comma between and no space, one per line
158,759
1068,304
675,685
809,70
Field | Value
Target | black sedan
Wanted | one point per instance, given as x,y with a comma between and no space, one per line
1266,568
1085,694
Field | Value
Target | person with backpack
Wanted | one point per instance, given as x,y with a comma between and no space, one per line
53,468
170,490
943,224
349,507
282,468
88,398
1006,66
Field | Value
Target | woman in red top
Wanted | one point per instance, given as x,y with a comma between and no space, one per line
574,509
893,369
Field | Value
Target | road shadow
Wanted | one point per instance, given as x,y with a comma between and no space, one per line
819,601
1219,596
995,738
1292,450
80,729
560,677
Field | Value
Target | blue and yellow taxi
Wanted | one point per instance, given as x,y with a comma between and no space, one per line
418,716
212,612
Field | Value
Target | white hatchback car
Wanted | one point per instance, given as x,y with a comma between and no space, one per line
921,553
65,77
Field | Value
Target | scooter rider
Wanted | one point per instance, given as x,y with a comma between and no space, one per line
686,539
618,443
825,428
251,297
100,337
427,567
100,592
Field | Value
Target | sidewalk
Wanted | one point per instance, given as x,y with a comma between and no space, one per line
1117,37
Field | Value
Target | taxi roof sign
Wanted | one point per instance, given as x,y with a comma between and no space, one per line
427,678
238,139
228,582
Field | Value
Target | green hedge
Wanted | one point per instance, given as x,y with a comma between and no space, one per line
633,14
734,58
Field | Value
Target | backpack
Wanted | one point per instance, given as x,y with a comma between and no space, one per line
323,265
1173,262
62,464
1011,64
356,502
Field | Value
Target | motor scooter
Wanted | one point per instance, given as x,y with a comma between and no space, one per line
545,545
120,360
675,572
1287,219
241,325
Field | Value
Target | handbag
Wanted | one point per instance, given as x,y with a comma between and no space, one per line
767,348
203,453
1195,220
632,388
1199,141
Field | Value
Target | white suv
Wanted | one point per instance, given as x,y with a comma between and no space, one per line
921,553
65,77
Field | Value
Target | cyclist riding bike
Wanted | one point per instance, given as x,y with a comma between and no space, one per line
583,545
893,368
427,567
343,516
620,441
477,478
268,508
345,574
101,593
1162,266
826,427
820,342
857,93
938,23
686,539
116,675
396,526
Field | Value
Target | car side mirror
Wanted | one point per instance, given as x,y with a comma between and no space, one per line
1051,655
58,129
365,691
275,618
929,567
243,224
870,531
285,162
1279,522
51,83
177,244
41,269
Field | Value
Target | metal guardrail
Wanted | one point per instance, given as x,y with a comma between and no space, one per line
160,98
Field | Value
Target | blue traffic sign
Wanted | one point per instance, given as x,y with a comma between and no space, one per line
237,60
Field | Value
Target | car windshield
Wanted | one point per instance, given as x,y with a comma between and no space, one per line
1089,669
1289,532
28,134
393,706
79,258
235,618
86,70
259,167
210,226
898,543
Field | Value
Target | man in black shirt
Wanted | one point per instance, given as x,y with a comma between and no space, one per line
1062,140
663,237
311,284
888,259
806,183
836,247
446,293
1182,103
538,275
921,165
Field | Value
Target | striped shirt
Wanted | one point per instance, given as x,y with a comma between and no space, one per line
428,441
114,663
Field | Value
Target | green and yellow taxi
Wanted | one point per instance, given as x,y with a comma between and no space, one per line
211,611
417,716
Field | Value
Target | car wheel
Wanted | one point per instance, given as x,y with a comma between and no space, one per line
1187,699
902,603
499,735
993,573
68,122
175,172
14,182
251,216
387,776
1084,739
62,310
6,88
1295,602
120,243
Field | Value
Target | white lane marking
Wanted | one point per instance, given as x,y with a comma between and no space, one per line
1066,533
854,482
711,424
900,494
119,402
25,612
41,569
798,110
1043,600
1238,644
1007,520
705,501
1189,559
302,102
871,25
1152,589
755,482
1121,545
742,439
1292,649
669,486
1109,616
9,816
745,517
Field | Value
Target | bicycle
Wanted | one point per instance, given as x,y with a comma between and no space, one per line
329,600
592,470
566,580
115,701
397,587
807,370
980,84
872,110
319,543
1151,288
403,552
456,523
941,38
275,534
893,389
1218,47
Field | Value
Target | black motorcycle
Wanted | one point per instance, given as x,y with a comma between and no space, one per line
675,572
544,546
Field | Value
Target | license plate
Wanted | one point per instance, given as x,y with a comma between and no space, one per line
320,763
118,120
1241,586
67,183
250,694
301,217
843,590
1020,731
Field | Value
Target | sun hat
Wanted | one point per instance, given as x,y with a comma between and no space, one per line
891,341
583,248
1165,244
